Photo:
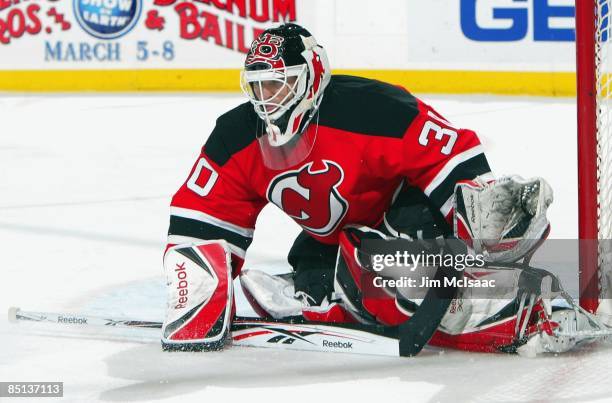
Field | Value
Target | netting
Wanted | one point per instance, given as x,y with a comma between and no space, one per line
603,63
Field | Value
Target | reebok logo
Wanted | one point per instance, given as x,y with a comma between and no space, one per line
181,274
472,209
337,344
72,319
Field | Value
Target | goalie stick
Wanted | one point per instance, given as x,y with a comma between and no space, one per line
416,332
406,340
293,334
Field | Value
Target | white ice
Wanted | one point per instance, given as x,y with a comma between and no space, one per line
85,182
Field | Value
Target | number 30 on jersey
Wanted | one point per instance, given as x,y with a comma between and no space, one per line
441,134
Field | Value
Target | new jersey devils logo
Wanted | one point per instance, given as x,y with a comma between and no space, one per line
266,49
311,197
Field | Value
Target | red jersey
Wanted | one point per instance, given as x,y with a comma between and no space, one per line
370,138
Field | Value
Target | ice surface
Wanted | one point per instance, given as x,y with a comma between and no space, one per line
85,181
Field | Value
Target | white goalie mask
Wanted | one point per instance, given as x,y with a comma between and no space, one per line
285,75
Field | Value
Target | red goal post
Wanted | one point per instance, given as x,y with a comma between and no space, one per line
594,104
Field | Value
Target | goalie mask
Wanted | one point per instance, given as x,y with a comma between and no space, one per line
284,76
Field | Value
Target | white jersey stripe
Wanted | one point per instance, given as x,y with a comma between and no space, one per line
180,239
448,205
450,165
200,216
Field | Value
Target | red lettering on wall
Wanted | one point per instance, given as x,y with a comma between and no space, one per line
196,21
240,4
188,21
219,4
283,10
211,28
259,10
229,34
18,22
241,45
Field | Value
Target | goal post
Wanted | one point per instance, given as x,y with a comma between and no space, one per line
594,107
587,150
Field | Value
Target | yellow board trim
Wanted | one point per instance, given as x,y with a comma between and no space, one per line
477,82
204,80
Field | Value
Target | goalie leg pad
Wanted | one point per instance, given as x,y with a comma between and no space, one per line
200,297
274,296
355,281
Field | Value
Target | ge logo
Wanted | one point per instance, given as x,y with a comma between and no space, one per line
485,21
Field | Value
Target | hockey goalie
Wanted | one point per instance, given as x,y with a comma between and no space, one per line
351,159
